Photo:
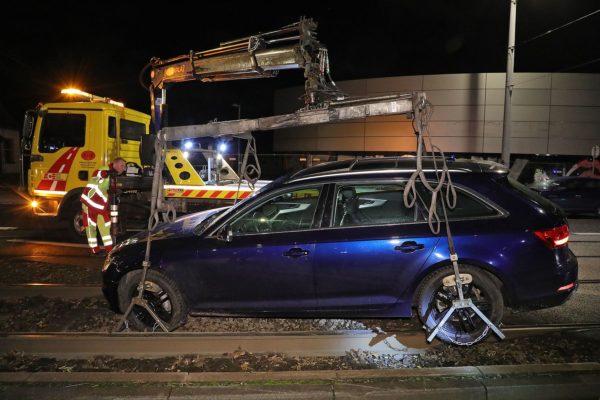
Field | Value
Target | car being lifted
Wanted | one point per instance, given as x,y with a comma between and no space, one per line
337,240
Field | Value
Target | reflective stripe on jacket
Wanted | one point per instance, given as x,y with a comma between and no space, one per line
95,194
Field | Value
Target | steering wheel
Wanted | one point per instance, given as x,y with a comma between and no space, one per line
259,223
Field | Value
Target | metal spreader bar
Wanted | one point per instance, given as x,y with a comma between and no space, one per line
353,108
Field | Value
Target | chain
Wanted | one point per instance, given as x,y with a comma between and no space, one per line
472,342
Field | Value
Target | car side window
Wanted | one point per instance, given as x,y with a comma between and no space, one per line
290,211
467,206
369,204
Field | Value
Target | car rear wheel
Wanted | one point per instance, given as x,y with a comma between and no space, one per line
436,293
163,297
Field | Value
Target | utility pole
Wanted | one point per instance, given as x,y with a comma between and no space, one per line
510,66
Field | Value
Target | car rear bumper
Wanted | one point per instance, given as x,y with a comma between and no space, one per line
559,287
548,301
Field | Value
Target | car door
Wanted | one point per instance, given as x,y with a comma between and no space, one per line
568,195
372,249
267,262
589,195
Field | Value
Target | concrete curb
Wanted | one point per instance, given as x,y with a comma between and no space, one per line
571,381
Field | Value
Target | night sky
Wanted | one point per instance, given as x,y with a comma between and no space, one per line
101,46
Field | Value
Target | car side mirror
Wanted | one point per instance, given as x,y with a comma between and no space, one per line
225,234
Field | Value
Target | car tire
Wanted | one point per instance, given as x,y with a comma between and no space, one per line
163,297
464,327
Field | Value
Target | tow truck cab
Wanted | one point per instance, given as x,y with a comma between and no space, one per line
64,142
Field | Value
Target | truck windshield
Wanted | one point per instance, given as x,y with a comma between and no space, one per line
61,130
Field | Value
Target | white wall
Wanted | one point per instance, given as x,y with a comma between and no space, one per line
552,113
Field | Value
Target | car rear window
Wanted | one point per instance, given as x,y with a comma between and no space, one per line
467,206
531,195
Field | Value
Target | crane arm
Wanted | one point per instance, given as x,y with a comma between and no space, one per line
258,56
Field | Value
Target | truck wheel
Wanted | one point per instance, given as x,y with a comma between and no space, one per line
162,295
464,327
75,222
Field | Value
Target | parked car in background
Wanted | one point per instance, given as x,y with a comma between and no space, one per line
575,194
336,240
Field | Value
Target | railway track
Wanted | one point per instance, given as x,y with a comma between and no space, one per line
156,345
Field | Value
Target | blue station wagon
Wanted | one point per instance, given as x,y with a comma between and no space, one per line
337,240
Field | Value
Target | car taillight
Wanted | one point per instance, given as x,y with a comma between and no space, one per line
566,287
555,237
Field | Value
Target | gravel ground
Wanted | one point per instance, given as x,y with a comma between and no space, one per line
14,270
40,314
555,348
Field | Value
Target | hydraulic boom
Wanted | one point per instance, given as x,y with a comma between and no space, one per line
261,55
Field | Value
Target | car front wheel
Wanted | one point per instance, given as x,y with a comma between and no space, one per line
436,293
162,296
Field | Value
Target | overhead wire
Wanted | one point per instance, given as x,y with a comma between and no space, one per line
548,32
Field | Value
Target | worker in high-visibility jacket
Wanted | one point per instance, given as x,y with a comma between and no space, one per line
95,205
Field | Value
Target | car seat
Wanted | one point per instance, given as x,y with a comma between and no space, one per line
349,203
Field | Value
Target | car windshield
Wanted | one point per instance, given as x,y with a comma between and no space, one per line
202,226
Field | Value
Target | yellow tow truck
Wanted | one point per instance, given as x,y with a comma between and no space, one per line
63,143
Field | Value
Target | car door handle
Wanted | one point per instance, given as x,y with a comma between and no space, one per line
409,247
296,252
